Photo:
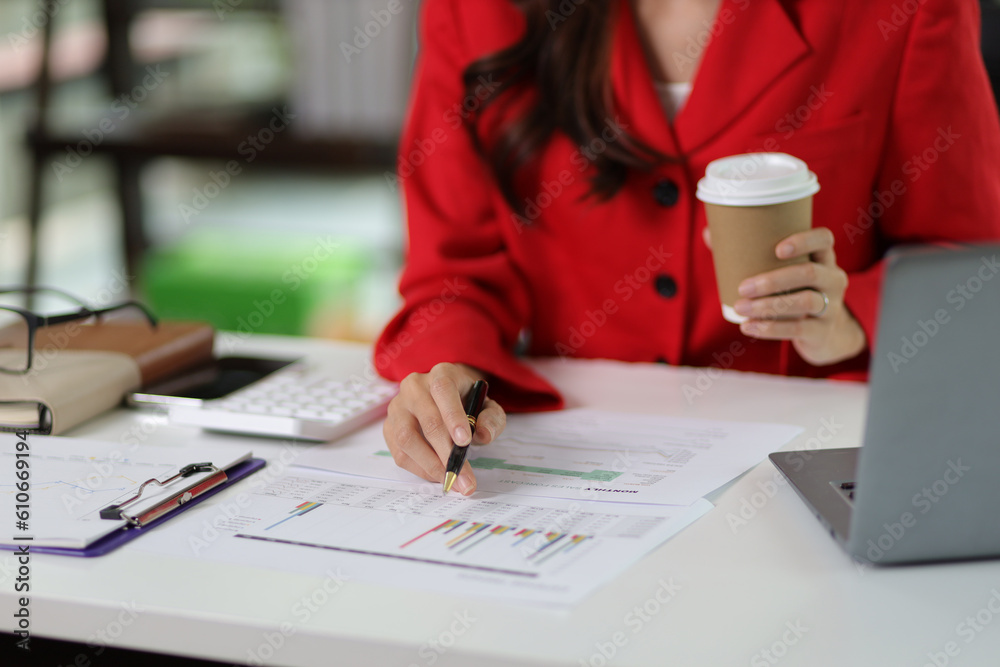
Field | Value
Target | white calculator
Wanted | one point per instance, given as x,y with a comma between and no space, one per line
302,401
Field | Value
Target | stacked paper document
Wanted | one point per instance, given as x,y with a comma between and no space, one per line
565,502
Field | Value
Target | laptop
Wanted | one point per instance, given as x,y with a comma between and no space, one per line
926,484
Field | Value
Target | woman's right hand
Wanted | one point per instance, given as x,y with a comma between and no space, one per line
427,417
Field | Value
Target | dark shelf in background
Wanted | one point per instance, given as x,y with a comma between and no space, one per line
217,134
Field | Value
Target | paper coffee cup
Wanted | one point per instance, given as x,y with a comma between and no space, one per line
752,202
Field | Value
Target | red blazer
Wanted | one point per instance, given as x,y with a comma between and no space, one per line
891,109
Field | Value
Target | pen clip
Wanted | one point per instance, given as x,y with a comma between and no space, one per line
474,403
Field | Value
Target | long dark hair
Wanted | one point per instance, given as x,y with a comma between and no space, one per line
563,63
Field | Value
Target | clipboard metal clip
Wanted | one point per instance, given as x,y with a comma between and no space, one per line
170,503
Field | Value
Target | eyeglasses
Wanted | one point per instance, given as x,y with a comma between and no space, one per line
19,326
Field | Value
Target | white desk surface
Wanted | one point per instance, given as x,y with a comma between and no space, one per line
776,590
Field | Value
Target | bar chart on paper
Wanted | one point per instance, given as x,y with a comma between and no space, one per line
468,545
463,536
299,510
405,525
494,547
496,543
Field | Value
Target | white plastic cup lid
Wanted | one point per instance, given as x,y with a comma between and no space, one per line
756,179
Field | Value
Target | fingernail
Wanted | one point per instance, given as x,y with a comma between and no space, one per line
785,250
749,328
743,307
460,435
748,288
464,485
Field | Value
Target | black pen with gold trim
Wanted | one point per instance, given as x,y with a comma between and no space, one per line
473,406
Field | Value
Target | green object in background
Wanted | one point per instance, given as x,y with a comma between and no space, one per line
254,282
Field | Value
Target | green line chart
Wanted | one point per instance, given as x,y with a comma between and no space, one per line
486,463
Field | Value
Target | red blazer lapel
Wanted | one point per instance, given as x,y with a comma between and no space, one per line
755,43
635,98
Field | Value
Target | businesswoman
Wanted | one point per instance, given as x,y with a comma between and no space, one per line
549,164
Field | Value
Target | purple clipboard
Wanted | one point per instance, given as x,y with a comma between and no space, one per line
122,535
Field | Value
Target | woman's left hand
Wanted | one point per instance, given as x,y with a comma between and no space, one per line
822,330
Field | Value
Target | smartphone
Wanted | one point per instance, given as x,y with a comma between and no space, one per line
219,378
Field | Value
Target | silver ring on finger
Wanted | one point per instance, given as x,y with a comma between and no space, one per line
826,303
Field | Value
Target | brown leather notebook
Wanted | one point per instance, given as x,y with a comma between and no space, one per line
81,371
168,349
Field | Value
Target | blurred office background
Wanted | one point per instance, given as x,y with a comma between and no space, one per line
163,155
225,158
